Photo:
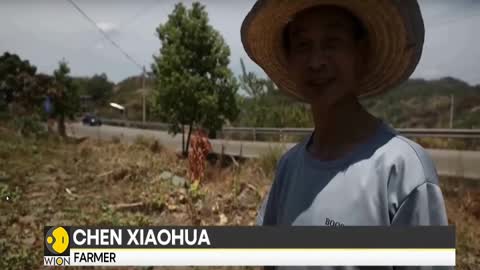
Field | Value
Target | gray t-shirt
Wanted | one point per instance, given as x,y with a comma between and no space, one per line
388,180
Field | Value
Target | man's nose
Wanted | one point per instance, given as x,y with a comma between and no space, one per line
318,59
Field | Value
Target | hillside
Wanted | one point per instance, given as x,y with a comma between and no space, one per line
128,93
426,104
417,103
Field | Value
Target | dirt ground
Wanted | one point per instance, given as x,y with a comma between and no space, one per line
83,182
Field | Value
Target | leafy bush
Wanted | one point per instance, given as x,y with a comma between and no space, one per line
29,126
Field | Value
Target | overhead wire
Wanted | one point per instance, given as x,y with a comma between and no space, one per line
105,35
140,13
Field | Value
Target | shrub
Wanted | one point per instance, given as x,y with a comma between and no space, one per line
29,126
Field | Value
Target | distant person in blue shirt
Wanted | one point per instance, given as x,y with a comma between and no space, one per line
354,169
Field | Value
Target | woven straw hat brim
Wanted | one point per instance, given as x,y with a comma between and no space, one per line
395,35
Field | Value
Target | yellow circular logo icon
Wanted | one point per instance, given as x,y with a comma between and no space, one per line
57,240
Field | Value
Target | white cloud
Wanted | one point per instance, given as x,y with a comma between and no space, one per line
450,47
99,46
107,27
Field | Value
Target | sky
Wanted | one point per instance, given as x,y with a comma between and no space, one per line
46,31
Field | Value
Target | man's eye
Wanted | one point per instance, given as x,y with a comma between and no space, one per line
302,45
334,43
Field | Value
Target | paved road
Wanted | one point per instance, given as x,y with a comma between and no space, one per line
464,164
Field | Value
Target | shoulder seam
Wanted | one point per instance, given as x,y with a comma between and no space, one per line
292,151
418,157
410,193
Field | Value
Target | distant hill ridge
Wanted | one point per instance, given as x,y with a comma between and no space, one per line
417,103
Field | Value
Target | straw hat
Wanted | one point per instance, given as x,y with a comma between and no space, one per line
395,35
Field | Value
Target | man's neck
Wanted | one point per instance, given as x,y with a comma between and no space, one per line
340,127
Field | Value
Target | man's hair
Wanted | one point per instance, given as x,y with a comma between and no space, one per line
359,30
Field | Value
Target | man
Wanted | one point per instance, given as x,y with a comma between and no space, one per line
354,169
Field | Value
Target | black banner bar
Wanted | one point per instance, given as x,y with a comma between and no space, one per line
265,237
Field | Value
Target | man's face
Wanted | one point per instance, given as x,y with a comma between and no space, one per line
324,54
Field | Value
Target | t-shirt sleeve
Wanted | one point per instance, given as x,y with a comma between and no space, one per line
267,210
261,211
423,206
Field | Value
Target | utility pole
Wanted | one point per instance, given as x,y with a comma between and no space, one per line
144,109
452,104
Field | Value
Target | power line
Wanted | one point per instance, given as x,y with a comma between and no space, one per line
139,14
134,18
72,2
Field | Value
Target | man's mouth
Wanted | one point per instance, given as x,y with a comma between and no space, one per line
319,83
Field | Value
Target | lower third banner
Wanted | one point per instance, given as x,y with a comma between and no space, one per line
253,246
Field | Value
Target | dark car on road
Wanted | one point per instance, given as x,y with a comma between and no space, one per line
91,120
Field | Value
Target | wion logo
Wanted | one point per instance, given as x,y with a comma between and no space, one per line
56,249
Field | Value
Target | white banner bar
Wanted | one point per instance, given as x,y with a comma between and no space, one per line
259,257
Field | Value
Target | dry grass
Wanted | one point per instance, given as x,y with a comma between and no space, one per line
269,159
463,209
84,182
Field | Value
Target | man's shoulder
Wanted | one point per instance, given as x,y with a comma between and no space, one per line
410,158
407,166
293,154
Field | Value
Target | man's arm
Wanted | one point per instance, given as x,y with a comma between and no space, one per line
267,213
423,206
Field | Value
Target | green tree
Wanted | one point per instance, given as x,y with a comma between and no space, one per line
99,88
17,81
81,83
254,111
266,106
254,86
64,96
194,86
